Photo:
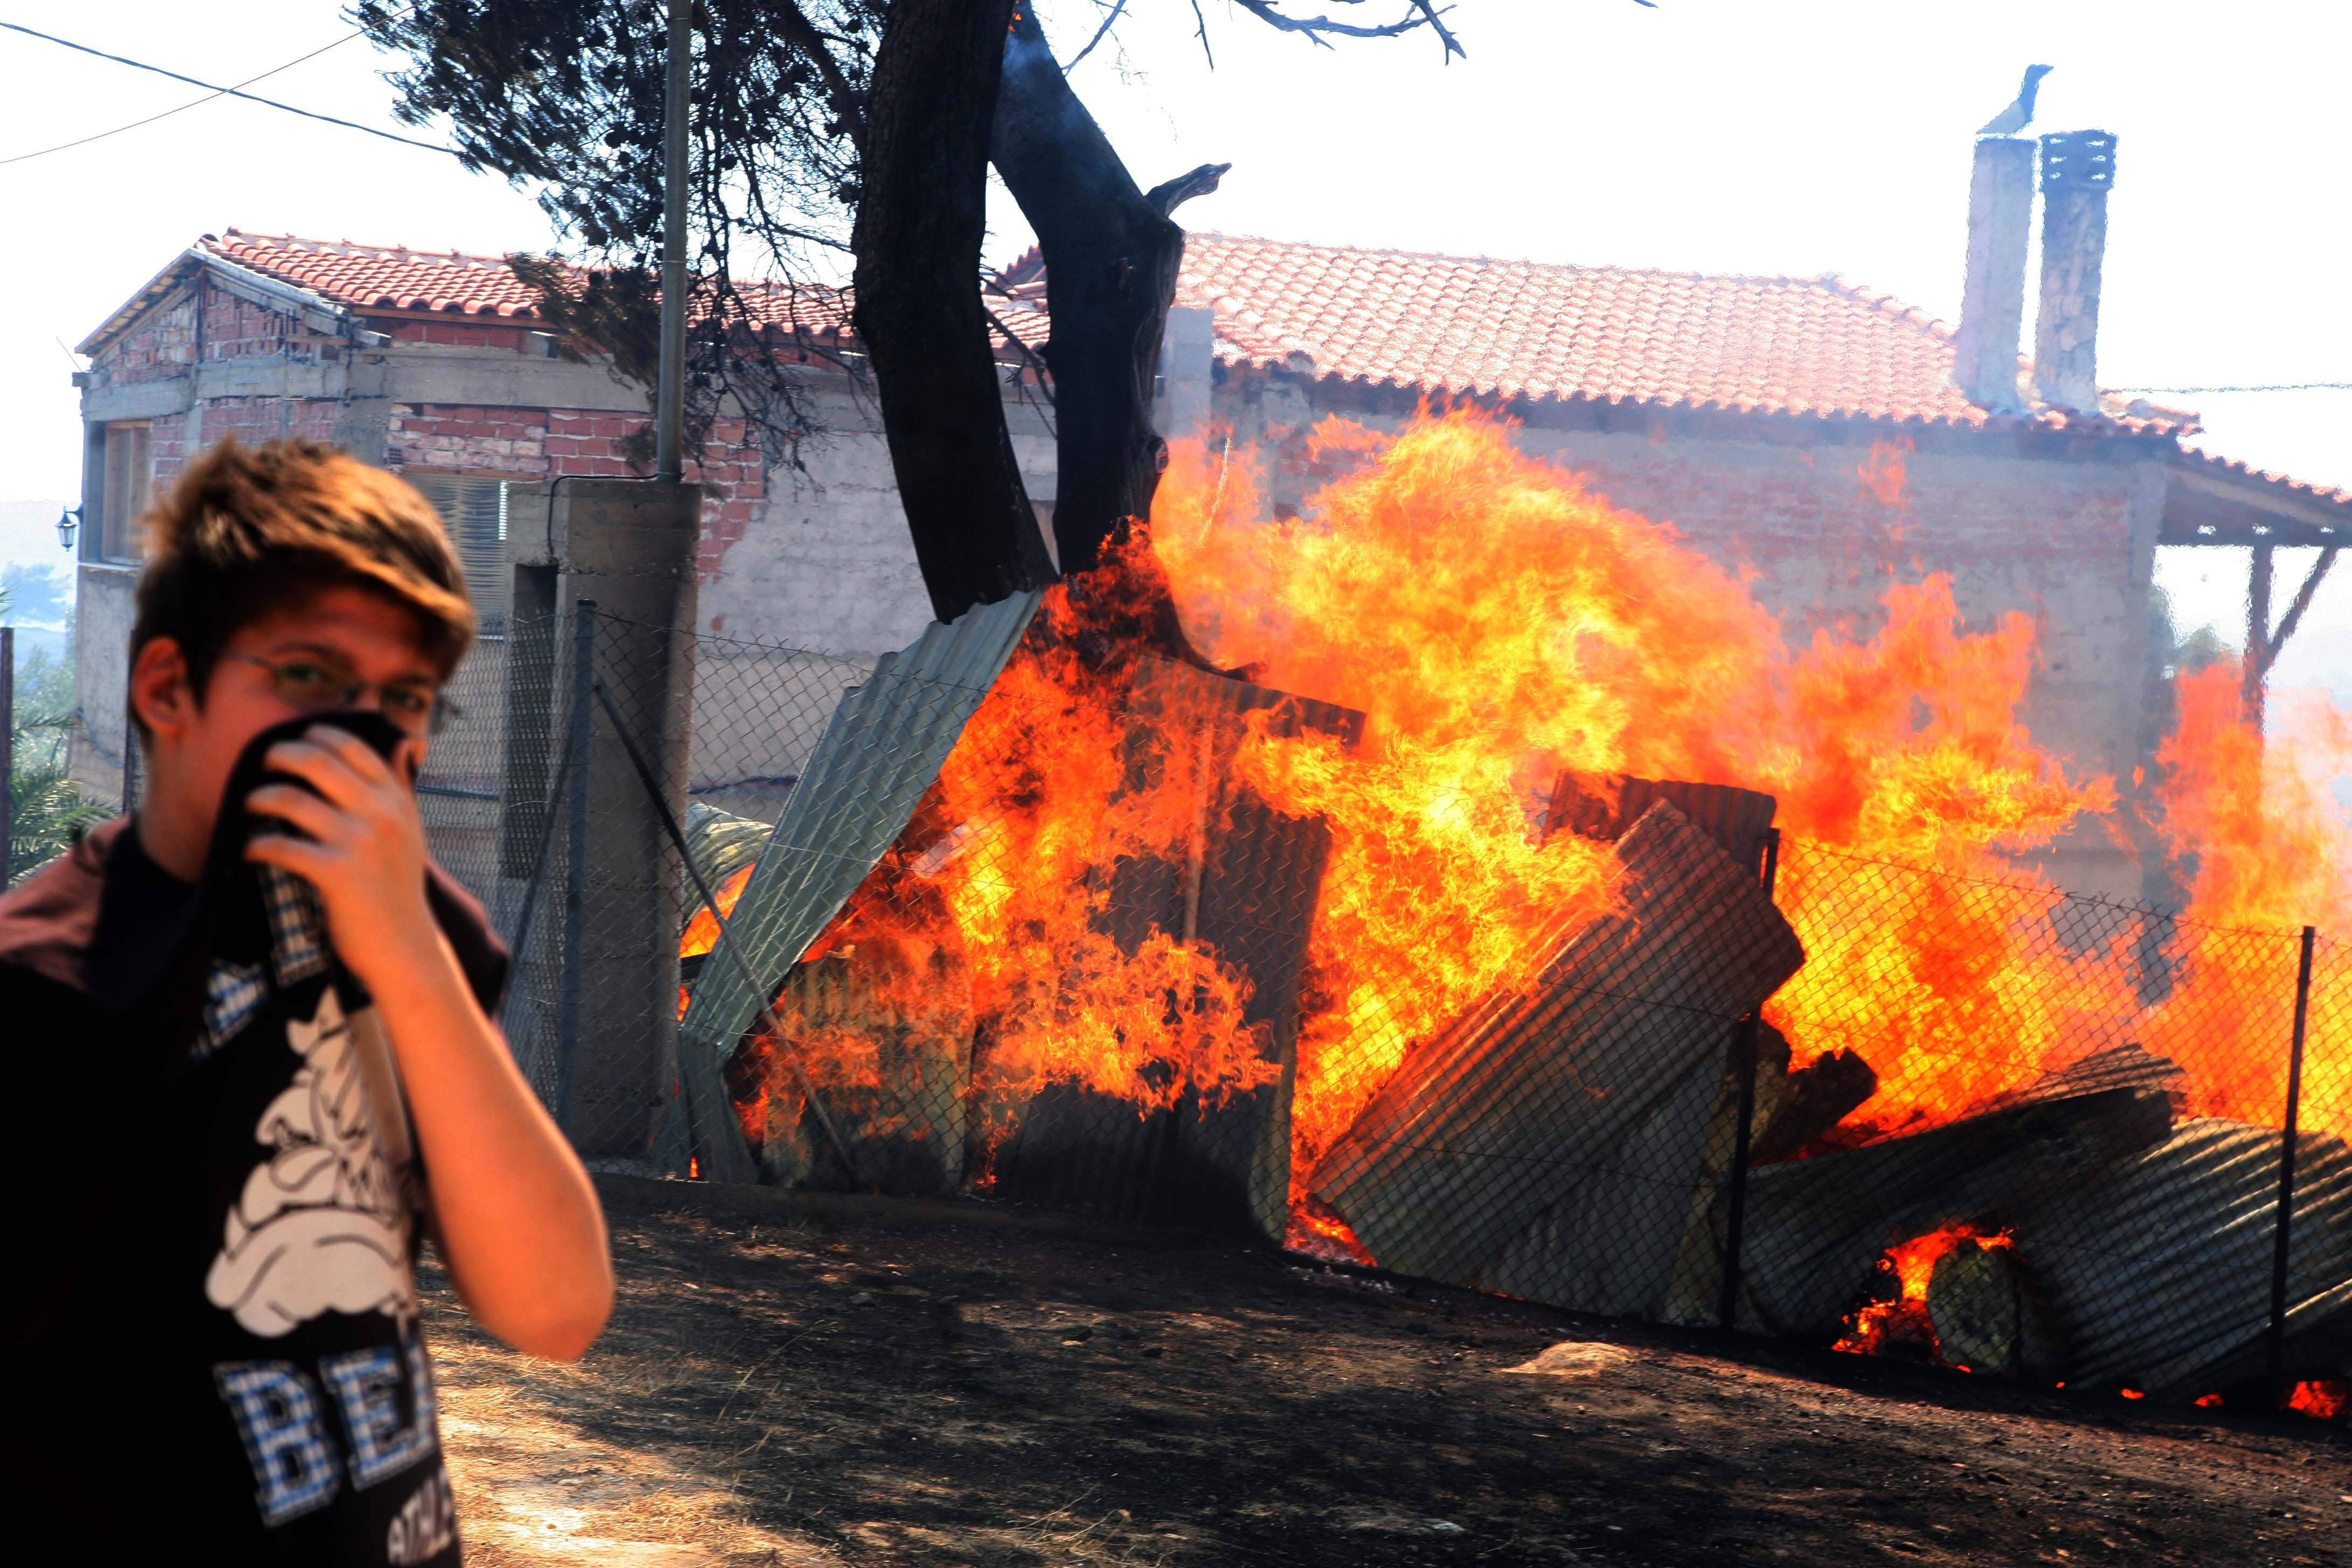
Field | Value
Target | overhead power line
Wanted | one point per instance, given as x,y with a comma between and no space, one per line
2275,386
192,103
218,90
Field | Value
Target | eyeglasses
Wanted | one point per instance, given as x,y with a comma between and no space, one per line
317,688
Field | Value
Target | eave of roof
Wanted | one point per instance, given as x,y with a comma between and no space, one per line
2218,500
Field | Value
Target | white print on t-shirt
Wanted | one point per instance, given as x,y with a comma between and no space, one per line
322,1224
426,1524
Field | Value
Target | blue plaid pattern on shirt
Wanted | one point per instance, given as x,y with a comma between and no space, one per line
278,1414
298,941
233,992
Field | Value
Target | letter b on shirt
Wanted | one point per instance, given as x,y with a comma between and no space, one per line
285,1432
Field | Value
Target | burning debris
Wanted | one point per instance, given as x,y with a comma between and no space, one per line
1519,1111
1240,881
1406,946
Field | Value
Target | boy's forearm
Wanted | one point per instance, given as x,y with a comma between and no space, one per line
518,1218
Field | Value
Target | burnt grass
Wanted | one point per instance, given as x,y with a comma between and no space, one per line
871,1381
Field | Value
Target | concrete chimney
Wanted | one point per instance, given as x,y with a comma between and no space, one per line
2078,169
1992,300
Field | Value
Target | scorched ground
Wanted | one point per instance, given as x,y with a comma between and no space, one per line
877,1381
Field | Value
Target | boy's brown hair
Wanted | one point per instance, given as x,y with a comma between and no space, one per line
250,532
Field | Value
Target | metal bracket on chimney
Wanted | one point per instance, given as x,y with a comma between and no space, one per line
2078,159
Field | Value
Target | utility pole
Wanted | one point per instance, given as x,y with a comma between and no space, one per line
669,393
629,546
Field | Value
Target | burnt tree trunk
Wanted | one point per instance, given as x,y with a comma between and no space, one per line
921,219
1111,255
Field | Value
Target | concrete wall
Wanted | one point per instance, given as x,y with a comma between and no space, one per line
102,612
827,565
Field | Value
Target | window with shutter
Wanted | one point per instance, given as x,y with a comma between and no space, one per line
130,475
474,512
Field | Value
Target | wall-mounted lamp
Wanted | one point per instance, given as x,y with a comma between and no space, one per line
68,525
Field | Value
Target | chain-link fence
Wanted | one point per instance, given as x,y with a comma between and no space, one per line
536,798
1000,918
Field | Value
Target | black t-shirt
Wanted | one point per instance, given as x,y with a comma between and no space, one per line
214,1347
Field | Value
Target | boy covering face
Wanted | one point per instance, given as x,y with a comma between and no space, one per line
251,1062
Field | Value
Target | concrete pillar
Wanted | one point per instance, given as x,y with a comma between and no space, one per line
1992,302
2078,169
627,546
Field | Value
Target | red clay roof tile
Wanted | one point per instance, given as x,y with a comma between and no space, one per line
1466,325
1476,326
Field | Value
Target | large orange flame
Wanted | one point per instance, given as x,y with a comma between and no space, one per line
1498,624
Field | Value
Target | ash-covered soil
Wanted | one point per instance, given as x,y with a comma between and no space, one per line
893,1383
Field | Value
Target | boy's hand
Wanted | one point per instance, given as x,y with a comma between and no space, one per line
365,853
518,1221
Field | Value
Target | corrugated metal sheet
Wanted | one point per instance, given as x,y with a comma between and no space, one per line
1506,1112
1816,1227
2160,1271
886,744
1596,805
1611,1246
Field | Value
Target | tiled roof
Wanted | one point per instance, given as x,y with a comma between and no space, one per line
1431,323
1533,329
381,276
394,278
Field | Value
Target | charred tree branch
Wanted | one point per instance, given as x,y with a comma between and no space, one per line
1169,195
918,240
1117,7
1111,255
1322,29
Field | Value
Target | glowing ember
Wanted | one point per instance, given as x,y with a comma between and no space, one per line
1900,1324
1316,1229
2325,1399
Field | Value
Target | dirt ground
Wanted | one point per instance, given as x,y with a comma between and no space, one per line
871,1382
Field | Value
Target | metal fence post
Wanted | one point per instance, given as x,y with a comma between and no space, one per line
2286,1168
8,751
1743,1062
575,901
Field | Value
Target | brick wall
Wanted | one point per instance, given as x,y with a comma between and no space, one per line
549,443
460,333
165,343
174,438
162,346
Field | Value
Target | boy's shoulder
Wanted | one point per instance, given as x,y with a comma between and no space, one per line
47,921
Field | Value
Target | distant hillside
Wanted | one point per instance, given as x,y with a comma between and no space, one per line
37,575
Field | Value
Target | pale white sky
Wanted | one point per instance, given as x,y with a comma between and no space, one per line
1715,135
